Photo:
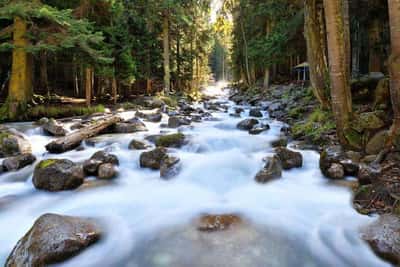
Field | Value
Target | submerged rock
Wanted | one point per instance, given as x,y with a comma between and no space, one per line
53,239
256,112
172,140
137,145
170,167
384,237
258,129
247,124
130,126
213,223
52,127
272,170
289,159
13,143
92,165
151,117
153,159
18,162
57,175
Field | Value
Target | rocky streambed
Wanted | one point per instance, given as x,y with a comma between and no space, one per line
207,184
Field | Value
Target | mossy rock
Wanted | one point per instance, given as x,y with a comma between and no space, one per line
354,139
172,140
46,163
376,143
368,121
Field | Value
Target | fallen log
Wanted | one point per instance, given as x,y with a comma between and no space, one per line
74,139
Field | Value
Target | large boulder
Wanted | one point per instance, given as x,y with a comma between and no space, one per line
129,126
57,175
18,162
53,239
289,159
272,170
52,127
170,167
13,143
154,158
376,143
92,165
384,237
247,124
177,121
171,140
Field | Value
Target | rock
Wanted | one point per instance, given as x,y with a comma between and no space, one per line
247,124
384,237
52,127
239,110
275,107
336,171
214,223
152,117
137,145
53,239
152,138
281,142
256,112
376,143
235,115
169,167
130,126
367,174
172,140
92,165
272,170
259,129
18,162
370,121
42,121
153,159
107,171
177,121
289,159
335,155
13,143
57,175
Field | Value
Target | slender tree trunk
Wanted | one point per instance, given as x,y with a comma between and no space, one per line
338,65
20,88
319,74
88,85
166,55
394,66
374,31
245,53
44,81
178,61
267,75
114,90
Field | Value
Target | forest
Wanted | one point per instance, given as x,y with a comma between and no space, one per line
200,133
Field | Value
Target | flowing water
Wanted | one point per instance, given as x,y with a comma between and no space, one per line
299,220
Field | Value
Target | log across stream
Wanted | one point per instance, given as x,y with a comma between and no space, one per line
298,220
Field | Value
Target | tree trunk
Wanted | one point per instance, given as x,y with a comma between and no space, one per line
114,90
338,65
43,81
166,54
319,74
20,88
394,66
267,75
374,32
88,85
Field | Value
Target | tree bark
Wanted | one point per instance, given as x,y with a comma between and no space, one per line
88,85
338,65
44,81
166,54
114,90
74,139
374,31
319,74
394,66
20,89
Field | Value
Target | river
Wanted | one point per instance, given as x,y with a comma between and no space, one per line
299,220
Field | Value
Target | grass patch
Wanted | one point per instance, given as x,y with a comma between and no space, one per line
317,123
62,111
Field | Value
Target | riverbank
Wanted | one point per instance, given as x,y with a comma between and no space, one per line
373,175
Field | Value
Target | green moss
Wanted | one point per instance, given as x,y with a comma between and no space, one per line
3,135
296,112
316,124
171,101
46,163
128,106
170,140
62,111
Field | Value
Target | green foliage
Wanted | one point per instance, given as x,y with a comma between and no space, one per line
62,111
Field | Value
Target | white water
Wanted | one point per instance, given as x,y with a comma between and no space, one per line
299,220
